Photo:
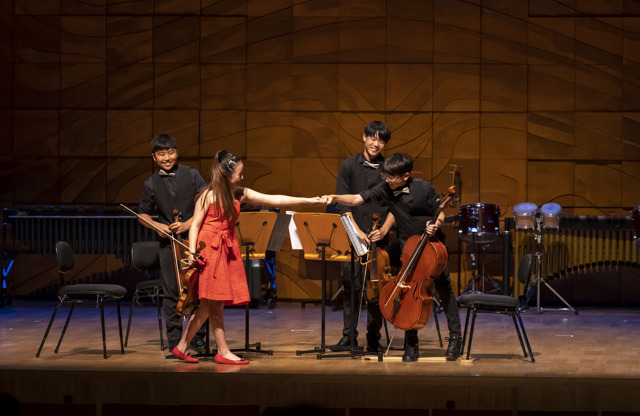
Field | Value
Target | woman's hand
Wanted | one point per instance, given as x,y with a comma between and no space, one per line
191,259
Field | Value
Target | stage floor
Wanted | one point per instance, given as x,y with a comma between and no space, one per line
586,362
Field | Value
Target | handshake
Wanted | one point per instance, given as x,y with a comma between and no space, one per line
324,199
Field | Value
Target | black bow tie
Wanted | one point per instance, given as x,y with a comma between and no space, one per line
404,190
371,165
163,173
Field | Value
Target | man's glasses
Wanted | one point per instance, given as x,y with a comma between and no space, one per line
390,179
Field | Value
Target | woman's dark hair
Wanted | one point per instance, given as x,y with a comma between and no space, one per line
379,127
397,164
163,142
224,164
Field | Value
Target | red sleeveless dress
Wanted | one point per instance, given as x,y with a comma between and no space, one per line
222,277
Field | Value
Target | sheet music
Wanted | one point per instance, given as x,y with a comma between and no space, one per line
358,244
296,244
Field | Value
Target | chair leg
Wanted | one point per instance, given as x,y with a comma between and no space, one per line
466,325
133,299
159,308
434,311
46,333
120,326
473,323
515,323
104,335
526,339
64,330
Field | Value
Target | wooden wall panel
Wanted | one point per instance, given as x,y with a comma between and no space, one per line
128,132
534,100
83,85
36,85
82,133
82,181
223,130
35,132
130,86
129,40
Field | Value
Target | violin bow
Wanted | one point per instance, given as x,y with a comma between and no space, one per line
166,234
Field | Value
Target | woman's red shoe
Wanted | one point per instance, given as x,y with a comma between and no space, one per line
220,359
184,356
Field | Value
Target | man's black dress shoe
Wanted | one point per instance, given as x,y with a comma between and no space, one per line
374,347
454,350
198,344
343,344
411,354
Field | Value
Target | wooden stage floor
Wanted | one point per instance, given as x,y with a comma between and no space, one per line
586,363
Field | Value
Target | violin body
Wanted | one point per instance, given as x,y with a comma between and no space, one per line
189,296
379,272
189,290
405,300
187,277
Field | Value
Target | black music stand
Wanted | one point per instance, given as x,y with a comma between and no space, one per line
323,238
253,231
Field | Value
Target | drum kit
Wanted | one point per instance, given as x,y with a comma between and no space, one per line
479,226
528,216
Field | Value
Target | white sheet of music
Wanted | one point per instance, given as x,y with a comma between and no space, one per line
358,244
296,244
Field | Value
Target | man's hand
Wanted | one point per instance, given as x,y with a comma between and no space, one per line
179,227
364,236
163,227
432,228
376,235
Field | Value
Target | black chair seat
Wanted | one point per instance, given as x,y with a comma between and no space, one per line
499,301
90,289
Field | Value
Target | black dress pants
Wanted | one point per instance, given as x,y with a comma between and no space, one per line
350,311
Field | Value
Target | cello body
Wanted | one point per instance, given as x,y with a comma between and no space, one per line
405,300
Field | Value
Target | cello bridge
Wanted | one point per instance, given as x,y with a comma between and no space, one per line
403,286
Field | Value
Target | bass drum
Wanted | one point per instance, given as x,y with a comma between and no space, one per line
480,222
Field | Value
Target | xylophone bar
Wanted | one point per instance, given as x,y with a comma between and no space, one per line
87,230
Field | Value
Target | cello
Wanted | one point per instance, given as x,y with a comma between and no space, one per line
405,300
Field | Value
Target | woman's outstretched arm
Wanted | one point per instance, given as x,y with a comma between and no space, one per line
254,197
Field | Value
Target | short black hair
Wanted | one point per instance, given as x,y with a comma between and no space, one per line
163,142
379,127
397,164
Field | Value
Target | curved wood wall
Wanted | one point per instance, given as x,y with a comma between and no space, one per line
535,100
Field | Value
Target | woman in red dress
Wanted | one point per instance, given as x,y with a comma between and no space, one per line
222,279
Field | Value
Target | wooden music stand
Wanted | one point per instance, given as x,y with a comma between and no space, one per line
323,238
253,230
